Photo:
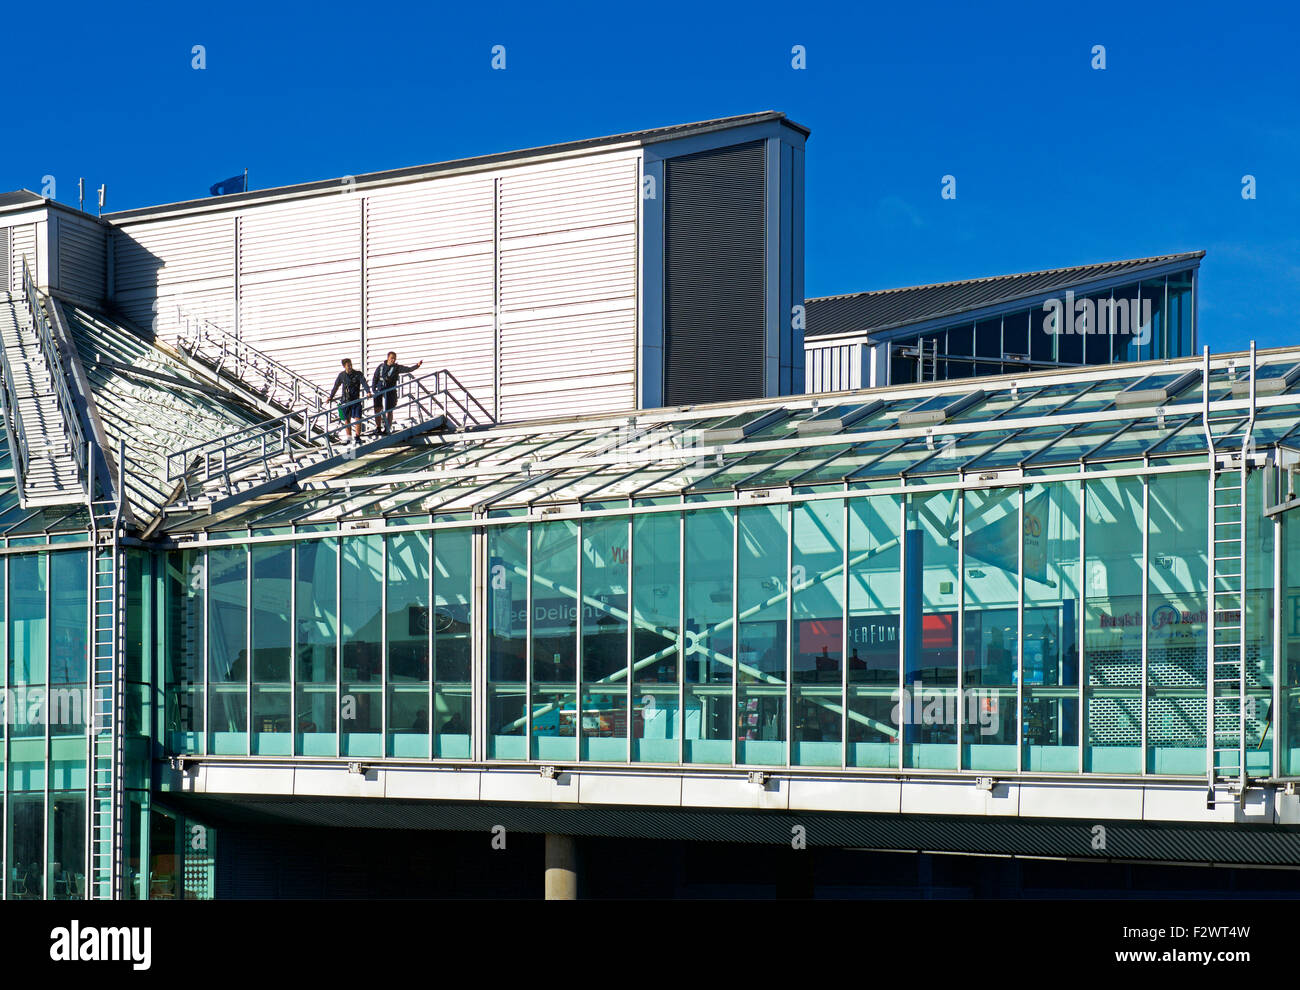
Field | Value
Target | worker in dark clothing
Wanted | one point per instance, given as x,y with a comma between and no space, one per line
350,383
383,386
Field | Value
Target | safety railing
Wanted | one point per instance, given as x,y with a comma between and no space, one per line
256,452
15,433
225,352
54,363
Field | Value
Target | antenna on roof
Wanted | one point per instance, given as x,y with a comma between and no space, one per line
245,180
81,195
102,190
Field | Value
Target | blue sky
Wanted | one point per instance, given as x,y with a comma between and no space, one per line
1056,163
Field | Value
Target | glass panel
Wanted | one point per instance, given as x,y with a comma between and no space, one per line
1179,315
1153,301
67,703
67,876
28,632
875,561
930,631
408,644
1259,628
1050,663
507,651
317,649
183,657
604,638
761,610
990,589
988,345
554,708
228,650
25,825
817,584
1015,334
1113,624
361,611
707,660
656,591
452,618
1288,726
272,640
1176,640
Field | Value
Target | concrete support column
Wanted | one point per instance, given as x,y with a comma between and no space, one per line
561,868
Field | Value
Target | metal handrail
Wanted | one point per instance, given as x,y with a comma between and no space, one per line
54,362
419,400
229,352
15,433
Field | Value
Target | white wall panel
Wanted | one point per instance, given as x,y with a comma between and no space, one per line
522,280
22,247
82,251
300,283
568,287
188,262
430,279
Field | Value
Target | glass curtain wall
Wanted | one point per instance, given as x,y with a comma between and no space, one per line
1141,321
1058,626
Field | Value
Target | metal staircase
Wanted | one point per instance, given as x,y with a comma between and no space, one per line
1227,706
229,356
105,799
45,439
268,455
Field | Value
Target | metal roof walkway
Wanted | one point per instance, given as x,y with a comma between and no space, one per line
48,449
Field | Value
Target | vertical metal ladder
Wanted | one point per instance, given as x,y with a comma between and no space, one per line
929,360
1227,706
107,645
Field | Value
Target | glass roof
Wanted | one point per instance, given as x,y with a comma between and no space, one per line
1033,423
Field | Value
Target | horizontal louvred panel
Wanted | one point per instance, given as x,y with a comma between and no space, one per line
82,259
568,363
430,290
572,271
714,276
440,215
462,346
22,247
173,253
558,196
301,235
308,322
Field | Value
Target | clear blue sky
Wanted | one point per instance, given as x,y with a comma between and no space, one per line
1056,163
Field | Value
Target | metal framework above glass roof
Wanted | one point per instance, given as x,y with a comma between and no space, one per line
1029,423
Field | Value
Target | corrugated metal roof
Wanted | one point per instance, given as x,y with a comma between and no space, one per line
887,309
652,135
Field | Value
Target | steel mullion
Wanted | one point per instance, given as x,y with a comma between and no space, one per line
1020,627
293,648
528,642
579,675
248,647
961,624
1079,624
735,634
845,614
904,701
1146,611
681,641
47,817
383,645
338,646
433,648
631,636
788,510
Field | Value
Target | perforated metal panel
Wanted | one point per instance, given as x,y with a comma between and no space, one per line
714,275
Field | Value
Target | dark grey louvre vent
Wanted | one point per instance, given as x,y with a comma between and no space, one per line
713,276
